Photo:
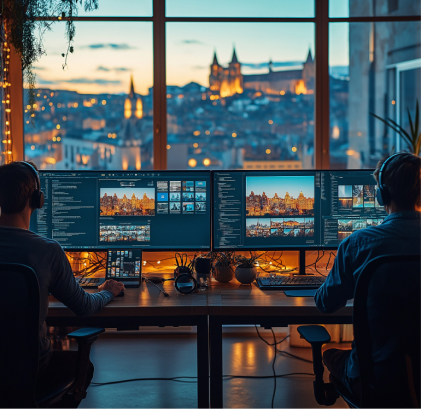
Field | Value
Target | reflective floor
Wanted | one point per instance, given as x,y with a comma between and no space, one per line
127,356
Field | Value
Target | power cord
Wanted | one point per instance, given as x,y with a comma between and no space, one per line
179,378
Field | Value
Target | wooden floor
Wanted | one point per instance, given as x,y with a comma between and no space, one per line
124,356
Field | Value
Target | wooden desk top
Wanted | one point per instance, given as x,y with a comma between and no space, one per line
146,300
248,300
223,299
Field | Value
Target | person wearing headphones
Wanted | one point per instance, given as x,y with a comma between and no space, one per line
20,195
399,191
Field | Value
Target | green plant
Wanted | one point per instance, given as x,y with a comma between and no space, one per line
25,32
224,259
414,138
247,262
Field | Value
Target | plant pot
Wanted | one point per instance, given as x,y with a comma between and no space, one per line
245,275
223,273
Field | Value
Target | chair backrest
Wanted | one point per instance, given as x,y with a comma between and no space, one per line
19,323
386,322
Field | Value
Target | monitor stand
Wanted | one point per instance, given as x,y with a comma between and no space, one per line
302,264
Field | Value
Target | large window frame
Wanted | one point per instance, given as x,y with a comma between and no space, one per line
321,22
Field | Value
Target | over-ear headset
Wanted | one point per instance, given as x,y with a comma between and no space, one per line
36,201
382,192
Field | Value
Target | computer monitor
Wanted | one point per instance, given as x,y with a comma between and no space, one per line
151,210
269,210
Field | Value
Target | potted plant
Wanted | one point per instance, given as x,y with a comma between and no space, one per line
246,270
223,270
414,138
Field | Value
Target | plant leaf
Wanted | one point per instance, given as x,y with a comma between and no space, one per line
417,119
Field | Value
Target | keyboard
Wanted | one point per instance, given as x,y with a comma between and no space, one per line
89,281
281,283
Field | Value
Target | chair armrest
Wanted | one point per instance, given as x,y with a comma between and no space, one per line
314,334
84,337
86,334
317,335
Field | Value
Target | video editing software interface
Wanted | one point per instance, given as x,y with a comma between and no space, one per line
270,209
106,263
148,210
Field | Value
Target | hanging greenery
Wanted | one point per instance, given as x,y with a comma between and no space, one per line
25,31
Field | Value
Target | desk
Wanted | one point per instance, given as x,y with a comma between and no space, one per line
146,306
236,304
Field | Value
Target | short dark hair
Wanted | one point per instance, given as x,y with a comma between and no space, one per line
17,183
402,178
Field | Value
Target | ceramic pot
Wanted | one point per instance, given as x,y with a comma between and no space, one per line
245,275
223,273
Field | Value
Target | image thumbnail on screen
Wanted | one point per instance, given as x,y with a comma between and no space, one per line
115,234
127,201
280,196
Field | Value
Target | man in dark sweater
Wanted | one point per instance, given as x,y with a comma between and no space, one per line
398,234
18,182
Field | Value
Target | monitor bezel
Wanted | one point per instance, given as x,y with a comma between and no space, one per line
146,249
280,248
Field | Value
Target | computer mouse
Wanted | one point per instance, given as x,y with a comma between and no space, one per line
120,294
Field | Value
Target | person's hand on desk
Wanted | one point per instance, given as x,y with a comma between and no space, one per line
113,286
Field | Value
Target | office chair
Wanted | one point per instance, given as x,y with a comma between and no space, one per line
386,319
19,323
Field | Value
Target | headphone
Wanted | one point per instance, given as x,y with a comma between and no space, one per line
382,192
36,201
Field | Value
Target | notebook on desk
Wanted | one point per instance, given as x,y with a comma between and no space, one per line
92,267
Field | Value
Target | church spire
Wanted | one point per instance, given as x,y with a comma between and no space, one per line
215,60
131,92
234,57
309,56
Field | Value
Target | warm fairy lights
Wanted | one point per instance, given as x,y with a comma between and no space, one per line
6,143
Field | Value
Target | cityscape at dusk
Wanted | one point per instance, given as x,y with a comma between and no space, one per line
127,202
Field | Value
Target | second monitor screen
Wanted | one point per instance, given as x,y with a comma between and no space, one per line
265,210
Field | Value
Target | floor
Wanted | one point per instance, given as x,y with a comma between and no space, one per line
127,356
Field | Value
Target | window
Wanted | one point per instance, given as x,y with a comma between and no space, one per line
101,102
374,69
210,108
235,102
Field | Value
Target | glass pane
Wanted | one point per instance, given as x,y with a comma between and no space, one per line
240,8
107,8
252,108
370,8
368,61
96,113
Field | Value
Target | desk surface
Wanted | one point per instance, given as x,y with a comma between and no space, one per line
146,300
220,299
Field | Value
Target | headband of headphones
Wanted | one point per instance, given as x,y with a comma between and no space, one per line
36,201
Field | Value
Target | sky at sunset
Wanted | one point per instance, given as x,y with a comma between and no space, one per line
107,53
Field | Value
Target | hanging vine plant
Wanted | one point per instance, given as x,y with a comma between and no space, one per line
24,30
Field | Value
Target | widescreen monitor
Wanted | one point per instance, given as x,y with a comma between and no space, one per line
264,210
151,210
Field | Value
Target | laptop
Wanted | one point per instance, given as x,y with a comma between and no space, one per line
92,268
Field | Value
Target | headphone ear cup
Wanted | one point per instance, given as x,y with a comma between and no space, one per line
379,196
41,199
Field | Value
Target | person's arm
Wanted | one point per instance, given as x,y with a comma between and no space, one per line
64,287
339,285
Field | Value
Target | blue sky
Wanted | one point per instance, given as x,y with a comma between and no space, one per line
139,192
107,53
280,184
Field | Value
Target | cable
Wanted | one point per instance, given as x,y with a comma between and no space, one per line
271,345
159,288
273,367
179,378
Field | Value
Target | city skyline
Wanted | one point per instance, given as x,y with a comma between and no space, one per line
189,50
121,191
280,185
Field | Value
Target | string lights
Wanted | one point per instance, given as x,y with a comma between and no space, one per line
6,140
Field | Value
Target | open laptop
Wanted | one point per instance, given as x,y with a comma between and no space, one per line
92,267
